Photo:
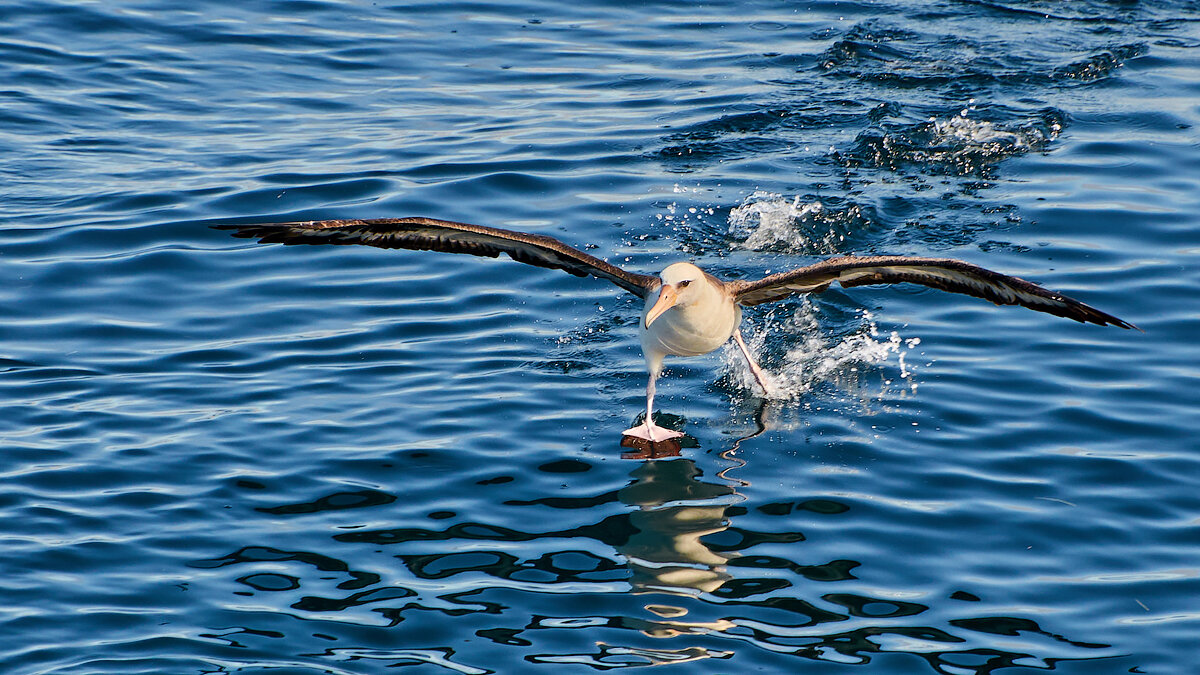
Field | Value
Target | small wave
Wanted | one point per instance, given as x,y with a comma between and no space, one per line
1100,65
874,52
959,145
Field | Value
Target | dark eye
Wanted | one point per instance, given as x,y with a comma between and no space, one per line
685,283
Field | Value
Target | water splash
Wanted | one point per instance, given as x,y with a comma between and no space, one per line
770,221
819,359
678,215
965,132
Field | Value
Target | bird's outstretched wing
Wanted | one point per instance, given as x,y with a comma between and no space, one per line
943,273
429,234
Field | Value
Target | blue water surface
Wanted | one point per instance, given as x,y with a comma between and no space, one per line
225,457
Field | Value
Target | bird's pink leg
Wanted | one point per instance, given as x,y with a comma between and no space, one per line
648,430
758,373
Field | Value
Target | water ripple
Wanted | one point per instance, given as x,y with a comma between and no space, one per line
225,457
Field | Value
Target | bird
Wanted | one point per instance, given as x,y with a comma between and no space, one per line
687,311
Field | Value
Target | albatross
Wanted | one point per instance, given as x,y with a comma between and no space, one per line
688,312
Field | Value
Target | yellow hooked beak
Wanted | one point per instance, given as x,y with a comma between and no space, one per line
667,298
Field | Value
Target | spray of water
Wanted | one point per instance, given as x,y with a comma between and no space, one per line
765,219
813,358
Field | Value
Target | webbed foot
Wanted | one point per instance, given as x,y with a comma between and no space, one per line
649,431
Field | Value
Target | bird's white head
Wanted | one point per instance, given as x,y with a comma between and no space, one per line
682,285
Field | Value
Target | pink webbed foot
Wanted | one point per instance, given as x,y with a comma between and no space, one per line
649,431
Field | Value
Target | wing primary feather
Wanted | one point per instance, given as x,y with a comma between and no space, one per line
945,274
430,234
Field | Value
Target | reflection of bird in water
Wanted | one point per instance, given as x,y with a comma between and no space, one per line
688,312
674,510
666,552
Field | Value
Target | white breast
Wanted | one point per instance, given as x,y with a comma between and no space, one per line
693,329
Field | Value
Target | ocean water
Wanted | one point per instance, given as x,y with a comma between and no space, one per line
225,457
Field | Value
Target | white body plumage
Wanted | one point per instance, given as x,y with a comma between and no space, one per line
702,317
691,314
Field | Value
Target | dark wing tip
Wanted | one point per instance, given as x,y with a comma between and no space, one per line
342,231
1105,319
1012,291
941,273
1061,305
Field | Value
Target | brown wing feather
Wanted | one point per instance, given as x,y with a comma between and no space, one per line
942,273
429,234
